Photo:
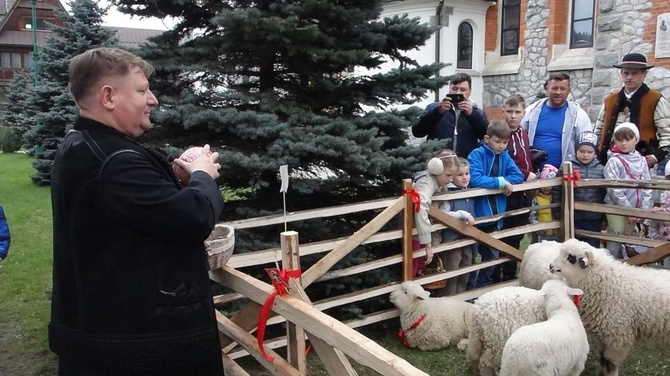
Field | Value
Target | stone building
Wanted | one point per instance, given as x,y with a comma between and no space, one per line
510,46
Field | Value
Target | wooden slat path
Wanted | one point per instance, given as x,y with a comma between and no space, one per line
651,256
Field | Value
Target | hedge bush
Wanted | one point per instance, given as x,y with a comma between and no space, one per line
9,142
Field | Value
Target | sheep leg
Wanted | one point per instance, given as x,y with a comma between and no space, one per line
611,359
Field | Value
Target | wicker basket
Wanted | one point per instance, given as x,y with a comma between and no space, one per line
440,269
220,246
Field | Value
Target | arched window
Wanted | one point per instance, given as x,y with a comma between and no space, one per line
464,60
509,41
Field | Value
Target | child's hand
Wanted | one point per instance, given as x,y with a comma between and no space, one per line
531,176
508,189
632,220
470,220
429,253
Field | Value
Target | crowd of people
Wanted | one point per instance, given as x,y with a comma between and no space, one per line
629,140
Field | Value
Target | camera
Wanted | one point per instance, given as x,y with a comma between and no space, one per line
456,98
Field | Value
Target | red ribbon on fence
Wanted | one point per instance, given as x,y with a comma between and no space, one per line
576,175
416,199
279,280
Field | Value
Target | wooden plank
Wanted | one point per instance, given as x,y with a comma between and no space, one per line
651,256
647,242
227,298
407,226
274,254
334,360
474,233
613,209
230,368
333,332
278,367
310,214
295,350
355,323
567,201
247,318
322,266
625,183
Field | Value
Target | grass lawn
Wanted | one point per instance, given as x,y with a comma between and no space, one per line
25,276
25,283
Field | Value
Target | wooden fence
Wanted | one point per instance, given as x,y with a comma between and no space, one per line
335,341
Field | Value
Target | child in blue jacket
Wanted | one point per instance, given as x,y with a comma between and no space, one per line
4,235
492,167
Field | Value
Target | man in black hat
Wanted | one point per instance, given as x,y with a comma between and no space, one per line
638,104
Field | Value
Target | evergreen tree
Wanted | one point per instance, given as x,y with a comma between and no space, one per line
268,83
55,107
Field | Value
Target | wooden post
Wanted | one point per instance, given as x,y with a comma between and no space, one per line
568,202
408,225
295,335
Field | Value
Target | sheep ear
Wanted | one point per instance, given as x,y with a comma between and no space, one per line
574,291
423,295
586,262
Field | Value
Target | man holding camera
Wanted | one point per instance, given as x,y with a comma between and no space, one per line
455,119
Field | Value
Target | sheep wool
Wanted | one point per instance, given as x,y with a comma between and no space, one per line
621,304
534,269
496,315
430,323
556,347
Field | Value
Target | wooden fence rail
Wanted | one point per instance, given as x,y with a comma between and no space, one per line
335,341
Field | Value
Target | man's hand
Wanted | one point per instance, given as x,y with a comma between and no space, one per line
465,106
445,105
206,162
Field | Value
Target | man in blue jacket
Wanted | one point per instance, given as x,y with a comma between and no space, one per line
5,238
462,125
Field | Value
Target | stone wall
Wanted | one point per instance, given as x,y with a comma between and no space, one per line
623,26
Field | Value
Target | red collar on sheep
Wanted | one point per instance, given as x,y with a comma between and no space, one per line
401,333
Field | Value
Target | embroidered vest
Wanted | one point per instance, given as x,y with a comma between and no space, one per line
646,124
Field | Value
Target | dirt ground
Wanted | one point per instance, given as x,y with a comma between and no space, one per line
18,363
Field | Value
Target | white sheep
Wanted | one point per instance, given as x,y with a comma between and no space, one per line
556,347
496,315
430,323
534,269
621,304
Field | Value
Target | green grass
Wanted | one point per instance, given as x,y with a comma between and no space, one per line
25,276
25,283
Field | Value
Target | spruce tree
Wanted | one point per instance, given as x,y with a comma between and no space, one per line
54,105
268,83
271,83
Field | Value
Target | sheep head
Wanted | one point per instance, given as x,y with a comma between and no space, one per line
573,261
559,296
407,293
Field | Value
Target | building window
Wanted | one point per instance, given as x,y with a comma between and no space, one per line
15,60
41,23
511,15
581,26
464,60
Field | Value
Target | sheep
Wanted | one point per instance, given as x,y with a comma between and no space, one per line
622,304
558,346
430,323
534,269
496,315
